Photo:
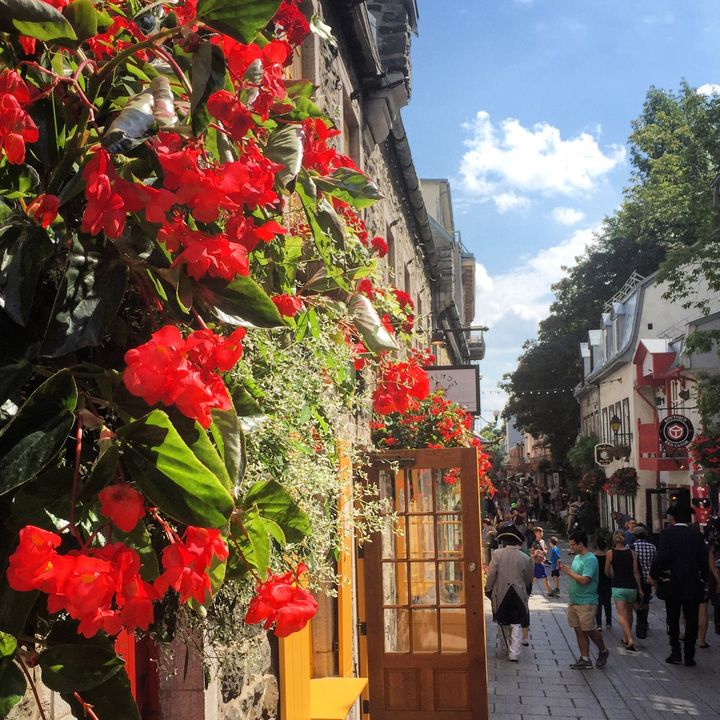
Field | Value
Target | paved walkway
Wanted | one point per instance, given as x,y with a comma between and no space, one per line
633,686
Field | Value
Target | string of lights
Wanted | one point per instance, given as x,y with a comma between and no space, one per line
550,391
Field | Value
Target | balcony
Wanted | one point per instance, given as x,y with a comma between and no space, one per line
654,455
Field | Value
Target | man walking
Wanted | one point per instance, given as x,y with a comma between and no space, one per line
645,552
583,600
680,571
508,584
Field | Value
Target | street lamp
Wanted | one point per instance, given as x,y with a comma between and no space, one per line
615,425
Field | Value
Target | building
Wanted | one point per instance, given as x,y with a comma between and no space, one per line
637,373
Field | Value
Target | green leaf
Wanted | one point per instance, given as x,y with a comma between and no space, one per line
87,299
208,76
228,437
252,539
36,19
8,645
273,502
241,302
196,438
368,323
83,17
240,19
111,700
245,404
159,461
15,606
42,500
79,667
12,686
326,229
350,186
102,473
13,377
27,248
285,147
38,432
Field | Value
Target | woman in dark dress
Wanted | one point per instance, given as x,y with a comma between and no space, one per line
626,584
604,585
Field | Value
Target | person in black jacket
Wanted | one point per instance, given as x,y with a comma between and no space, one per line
680,571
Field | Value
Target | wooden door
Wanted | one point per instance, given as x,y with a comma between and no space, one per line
423,591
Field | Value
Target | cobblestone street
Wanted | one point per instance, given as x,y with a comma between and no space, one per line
633,686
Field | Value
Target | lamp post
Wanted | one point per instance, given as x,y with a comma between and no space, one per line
615,425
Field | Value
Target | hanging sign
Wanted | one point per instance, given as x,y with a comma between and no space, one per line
604,453
676,431
460,382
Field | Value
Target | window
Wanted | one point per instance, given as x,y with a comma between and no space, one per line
627,428
605,432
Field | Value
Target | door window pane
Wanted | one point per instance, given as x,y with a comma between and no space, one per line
392,488
397,631
394,539
421,536
453,630
449,536
422,583
420,498
447,489
424,631
395,581
451,583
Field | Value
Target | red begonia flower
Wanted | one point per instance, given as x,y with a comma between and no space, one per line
288,305
281,602
123,505
16,129
44,209
34,565
379,246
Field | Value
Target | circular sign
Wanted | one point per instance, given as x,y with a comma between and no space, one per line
603,453
676,431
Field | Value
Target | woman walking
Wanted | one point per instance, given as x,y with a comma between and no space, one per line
604,585
622,564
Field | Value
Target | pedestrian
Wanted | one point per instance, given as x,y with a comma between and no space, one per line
508,586
554,557
622,565
604,585
582,601
680,571
539,555
645,552
630,525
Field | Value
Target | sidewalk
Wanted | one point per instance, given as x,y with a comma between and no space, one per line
633,686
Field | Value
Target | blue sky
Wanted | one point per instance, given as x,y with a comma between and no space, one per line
526,105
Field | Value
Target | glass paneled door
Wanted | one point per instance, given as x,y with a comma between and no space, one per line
423,581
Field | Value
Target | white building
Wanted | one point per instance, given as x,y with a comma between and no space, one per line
636,370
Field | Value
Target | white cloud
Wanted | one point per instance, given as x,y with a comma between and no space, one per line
709,89
508,163
567,216
512,303
524,292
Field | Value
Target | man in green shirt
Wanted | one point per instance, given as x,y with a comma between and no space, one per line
583,600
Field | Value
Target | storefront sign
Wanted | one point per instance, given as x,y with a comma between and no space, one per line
676,431
460,382
604,453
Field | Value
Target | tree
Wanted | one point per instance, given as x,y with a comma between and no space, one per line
666,220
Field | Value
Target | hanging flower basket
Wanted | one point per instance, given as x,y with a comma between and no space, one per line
622,482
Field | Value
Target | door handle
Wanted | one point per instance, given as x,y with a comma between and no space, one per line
472,567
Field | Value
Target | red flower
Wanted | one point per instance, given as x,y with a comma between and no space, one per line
288,305
33,565
44,209
105,208
365,287
236,118
280,601
186,564
16,129
292,21
379,246
179,372
123,505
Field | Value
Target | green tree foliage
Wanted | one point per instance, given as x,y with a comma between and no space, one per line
667,219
